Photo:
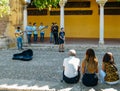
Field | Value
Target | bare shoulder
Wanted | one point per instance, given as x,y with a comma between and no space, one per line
83,62
96,60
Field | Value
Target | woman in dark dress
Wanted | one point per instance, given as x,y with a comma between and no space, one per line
61,40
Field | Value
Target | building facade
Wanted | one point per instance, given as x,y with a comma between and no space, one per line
81,18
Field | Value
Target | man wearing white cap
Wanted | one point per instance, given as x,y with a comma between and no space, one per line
71,68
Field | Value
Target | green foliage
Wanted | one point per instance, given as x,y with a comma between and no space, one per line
4,7
41,4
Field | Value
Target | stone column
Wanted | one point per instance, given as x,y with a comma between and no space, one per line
25,3
25,22
62,4
101,4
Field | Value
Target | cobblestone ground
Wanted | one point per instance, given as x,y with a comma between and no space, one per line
46,66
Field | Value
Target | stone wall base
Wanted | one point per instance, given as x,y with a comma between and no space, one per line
6,43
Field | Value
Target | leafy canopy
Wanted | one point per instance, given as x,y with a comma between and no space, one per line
41,4
4,7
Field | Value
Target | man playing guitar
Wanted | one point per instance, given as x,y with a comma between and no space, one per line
18,35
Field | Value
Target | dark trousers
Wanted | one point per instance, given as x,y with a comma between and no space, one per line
42,37
51,38
90,79
29,38
71,80
35,37
56,38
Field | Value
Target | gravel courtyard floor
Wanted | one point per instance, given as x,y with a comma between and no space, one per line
44,71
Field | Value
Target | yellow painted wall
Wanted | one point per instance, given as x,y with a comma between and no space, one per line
83,26
47,20
112,26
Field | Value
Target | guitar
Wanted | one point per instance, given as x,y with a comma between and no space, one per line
22,32
19,34
44,28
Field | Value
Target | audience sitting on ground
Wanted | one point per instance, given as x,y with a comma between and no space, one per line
90,69
109,73
71,68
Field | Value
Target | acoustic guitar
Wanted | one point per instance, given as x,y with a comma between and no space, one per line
19,34
44,28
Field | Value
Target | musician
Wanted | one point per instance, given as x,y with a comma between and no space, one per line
61,40
18,35
51,33
34,28
29,32
55,33
42,33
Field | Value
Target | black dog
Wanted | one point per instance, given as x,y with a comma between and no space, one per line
26,55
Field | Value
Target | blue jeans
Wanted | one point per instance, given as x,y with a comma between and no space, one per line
29,38
42,37
19,42
35,37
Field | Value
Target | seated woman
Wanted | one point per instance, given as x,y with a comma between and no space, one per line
90,68
109,73
71,68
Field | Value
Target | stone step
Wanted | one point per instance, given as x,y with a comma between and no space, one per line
33,85
26,85
71,46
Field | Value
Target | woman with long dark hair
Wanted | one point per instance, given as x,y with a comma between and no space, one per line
109,73
90,68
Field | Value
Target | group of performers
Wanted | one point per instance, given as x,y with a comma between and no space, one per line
32,29
29,31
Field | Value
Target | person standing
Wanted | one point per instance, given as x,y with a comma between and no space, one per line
55,33
90,69
71,68
29,32
35,32
51,33
109,72
61,40
42,33
18,35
